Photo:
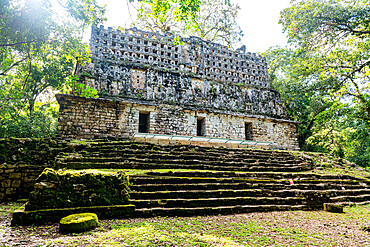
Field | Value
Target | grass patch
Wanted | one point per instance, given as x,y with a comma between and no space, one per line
295,228
325,164
6,209
298,228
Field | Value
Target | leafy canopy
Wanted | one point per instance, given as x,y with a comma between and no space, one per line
323,75
40,44
214,20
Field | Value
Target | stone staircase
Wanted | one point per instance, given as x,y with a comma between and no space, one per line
134,155
205,181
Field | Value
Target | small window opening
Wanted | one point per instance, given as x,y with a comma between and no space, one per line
143,122
248,131
201,127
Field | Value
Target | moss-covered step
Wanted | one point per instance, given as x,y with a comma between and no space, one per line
232,174
193,194
45,216
217,202
240,185
78,223
202,186
334,208
142,179
166,164
223,210
351,199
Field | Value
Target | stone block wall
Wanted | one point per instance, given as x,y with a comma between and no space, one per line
17,181
21,161
166,119
87,117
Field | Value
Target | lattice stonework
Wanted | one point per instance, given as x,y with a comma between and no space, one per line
193,55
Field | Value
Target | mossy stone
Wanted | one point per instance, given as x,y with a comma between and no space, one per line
334,208
78,223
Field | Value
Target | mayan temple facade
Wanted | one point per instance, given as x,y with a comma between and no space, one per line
165,84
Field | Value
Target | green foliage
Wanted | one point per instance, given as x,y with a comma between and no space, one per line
186,10
40,46
214,20
80,89
333,38
323,76
303,95
38,124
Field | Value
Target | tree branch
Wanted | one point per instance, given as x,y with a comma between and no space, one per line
20,43
12,66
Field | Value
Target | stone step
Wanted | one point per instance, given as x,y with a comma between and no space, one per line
261,192
182,154
287,191
242,153
235,186
221,210
177,160
350,192
353,203
195,166
194,194
150,146
250,175
133,160
351,198
145,166
216,202
142,179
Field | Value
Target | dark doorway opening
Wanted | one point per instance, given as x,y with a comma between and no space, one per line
143,122
201,127
248,131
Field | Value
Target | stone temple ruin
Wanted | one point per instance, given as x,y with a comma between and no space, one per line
164,84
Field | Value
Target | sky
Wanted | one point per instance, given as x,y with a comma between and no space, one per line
257,18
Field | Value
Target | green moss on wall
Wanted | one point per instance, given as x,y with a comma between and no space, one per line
71,188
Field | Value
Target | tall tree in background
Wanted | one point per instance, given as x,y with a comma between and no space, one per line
328,78
214,21
186,10
40,42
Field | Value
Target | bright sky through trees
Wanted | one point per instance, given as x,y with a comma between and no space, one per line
258,20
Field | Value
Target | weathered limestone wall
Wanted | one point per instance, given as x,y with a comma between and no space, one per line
17,180
21,161
168,88
80,117
89,118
